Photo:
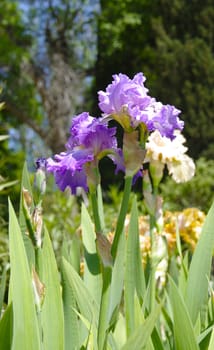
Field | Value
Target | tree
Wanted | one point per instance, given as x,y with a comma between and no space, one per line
44,68
172,43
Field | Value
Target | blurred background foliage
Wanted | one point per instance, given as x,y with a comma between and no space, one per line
196,193
56,54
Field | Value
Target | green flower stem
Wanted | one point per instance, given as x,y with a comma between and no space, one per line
100,206
95,209
122,214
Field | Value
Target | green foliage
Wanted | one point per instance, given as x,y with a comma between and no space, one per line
17,41
198,192
61,216
171,42
104,306
52,328
184,331
9,185
45,49
21,292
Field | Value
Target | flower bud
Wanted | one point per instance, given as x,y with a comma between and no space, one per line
133,153
104,250
38,288
40,176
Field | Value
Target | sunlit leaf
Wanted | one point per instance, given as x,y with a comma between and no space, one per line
117,280
92,274
211,343
7,184
71,323
25,324
86,303
3,137
184,335
52,319
140,337
133,274
25,184
199,272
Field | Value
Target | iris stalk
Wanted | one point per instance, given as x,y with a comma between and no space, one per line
122,214
95,209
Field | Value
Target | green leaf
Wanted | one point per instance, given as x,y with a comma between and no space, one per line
7,184
199,272
103,316
211,343
92,274
71,324
25,324
119,334
3,137
133,272
52,319
140,337
71,251
25,183
205,337
2,288
86,303
156,340
183,274
183,328
6,325
117,280
89,342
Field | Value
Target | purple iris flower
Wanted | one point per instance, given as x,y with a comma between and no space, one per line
164,118
124,92
90,140
41,163
127,102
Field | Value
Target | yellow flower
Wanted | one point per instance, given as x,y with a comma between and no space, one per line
189,223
